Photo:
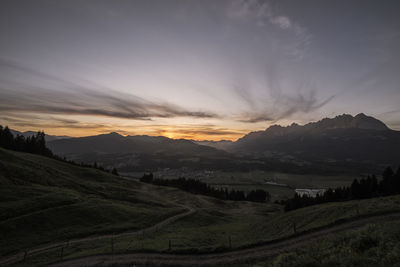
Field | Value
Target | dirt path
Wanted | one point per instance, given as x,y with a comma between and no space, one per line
20,256
226,258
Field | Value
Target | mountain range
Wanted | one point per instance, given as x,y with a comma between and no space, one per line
344,138
113,143
358,138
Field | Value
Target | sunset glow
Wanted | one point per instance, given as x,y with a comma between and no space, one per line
204,70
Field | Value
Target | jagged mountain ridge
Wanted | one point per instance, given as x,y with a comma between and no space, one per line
345,121
358,138
343,138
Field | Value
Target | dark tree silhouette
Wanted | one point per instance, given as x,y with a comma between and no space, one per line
36,144
364,188
197,187
115,172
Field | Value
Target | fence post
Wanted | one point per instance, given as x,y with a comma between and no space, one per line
62,252
230,242
169,245
25,255
294,227
112,244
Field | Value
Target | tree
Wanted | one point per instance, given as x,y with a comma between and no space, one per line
387,173
6,138
115,172
355,189
258,195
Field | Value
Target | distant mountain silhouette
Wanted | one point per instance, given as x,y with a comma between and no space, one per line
47,137
358,138
345,139
116,143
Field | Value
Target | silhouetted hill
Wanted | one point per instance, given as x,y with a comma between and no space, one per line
344,138
31,133
45,200
115,143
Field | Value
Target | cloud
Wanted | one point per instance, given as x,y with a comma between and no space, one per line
261,14
282,21
277,104
297,105
258,11
255,117
199,132
36,122
75,99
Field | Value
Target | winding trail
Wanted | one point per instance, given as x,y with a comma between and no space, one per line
225,258
38,250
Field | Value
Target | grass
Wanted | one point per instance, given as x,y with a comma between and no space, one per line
372,245
209,230
44,200
240,224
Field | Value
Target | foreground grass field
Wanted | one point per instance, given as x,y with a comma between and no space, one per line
373,245
45,201
212,230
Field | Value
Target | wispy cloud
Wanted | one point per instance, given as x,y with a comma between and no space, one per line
199,132
75,99
36,122
289,106
261,14
277,104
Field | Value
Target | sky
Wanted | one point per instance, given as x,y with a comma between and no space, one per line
204,70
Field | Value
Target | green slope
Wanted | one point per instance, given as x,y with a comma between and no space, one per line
373,245
43,200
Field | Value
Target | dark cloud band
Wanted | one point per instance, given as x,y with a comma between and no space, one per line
76,99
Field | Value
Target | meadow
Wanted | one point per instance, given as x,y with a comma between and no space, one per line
45,201
372,245
240,225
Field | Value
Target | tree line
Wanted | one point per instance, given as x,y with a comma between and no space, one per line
368,187
36,144
197,187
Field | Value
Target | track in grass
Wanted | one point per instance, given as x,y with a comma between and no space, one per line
20,256
225,258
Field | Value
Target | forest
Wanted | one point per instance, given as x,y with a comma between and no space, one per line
368,187
197,187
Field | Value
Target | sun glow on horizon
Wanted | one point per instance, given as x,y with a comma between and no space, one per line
178,132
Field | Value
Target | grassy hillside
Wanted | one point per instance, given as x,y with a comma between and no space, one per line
43,200
219,225
210,229
373,245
